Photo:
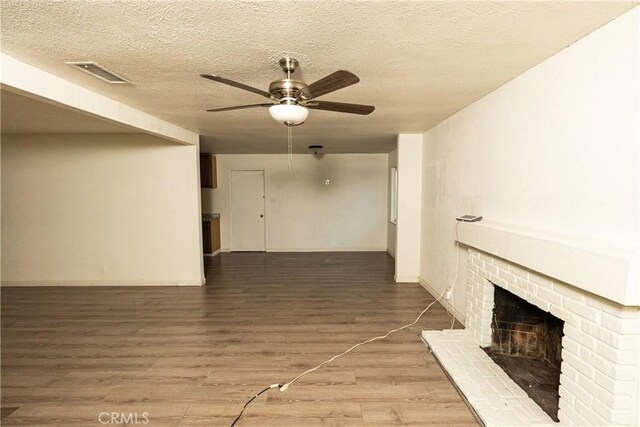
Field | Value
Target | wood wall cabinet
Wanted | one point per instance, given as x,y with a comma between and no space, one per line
208,171
211,235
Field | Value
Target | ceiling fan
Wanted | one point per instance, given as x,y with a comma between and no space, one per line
291,99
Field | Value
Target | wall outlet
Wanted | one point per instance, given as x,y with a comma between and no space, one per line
447,294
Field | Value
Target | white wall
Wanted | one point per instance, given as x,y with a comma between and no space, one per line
99,209
391,227
304,214
409,207
556,149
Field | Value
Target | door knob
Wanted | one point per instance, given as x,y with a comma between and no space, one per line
261,216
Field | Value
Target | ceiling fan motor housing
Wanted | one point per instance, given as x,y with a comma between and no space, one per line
285,88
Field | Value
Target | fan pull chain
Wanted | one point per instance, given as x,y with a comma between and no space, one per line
290,144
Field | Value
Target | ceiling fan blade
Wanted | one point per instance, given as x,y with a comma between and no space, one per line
235,84
238,107
341,107
338,80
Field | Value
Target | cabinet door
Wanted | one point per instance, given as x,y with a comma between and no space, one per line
206,237
214,171
208,172
215,234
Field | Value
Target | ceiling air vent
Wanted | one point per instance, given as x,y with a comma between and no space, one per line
99,72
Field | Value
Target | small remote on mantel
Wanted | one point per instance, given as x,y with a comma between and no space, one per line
469,218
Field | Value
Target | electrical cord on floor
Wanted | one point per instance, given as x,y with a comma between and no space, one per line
284,387
251,400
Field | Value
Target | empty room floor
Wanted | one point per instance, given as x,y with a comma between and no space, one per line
192,356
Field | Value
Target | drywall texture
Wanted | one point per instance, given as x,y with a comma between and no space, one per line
556,149
99,209
391,227
305,214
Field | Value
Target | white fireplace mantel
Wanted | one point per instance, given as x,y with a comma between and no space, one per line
595,267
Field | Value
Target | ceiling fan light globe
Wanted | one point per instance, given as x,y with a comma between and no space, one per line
288,114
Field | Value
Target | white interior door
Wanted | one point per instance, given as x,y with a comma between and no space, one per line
247,211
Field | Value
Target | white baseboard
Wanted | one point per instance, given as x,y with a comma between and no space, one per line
63,283
406,279
445,303
214,253
227,250
326,249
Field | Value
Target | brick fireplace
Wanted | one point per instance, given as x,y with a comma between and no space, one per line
600,347
599,367
587,292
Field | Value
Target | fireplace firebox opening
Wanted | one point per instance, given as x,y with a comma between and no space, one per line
527,345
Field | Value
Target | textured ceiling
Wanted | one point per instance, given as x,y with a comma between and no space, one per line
418,61
21,114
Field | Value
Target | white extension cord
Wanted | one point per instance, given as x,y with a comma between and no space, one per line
381,337
285,386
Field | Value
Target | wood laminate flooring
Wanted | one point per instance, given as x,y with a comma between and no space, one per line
191,356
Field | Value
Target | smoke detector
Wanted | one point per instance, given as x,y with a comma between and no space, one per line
100,72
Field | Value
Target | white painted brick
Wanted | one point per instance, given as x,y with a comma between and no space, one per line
598,362
572,319
549,296
621,342
590,328
601,408
569,291
579,392
602,395
617,356
539,302
487,288
506,275
530,287
564,315
595,419
569,416
621,417
620,310
516,290
621,326
627,388
578,364
498,281
565,394
579,336
581,309
571,346
491,269
623,372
